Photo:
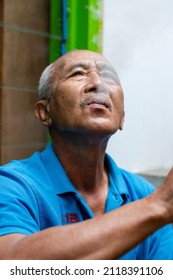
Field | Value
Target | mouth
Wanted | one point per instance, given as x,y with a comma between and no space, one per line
98,102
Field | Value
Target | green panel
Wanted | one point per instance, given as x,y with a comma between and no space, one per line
95,25
84,24
55,30
77,24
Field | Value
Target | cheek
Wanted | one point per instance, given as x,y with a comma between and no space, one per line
65,104
65,99
118,103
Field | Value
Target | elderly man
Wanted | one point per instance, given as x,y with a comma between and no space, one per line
71,201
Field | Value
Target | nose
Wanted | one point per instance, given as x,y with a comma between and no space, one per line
94,83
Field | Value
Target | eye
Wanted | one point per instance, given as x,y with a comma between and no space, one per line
78,73
109,76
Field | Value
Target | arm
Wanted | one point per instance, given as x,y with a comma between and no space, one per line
105,237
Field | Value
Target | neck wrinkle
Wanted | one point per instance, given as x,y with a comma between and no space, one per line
84,164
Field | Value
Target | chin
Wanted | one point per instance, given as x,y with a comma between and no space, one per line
102,129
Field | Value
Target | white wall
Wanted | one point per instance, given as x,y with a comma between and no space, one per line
138,40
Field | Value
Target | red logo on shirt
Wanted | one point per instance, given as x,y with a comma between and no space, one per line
71,218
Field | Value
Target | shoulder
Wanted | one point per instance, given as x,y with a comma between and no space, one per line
29,169
16,180
22,177
20,169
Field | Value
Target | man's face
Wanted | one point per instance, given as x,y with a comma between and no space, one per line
86,95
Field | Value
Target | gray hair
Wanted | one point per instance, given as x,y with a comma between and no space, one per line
44,87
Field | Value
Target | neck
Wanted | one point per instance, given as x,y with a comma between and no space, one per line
83,160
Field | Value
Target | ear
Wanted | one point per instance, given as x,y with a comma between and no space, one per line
122,122
41,111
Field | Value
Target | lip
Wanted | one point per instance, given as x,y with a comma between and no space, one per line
99,103
96,101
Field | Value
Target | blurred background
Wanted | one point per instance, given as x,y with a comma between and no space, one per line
135,36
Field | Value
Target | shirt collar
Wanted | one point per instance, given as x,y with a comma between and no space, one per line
61,182
118,182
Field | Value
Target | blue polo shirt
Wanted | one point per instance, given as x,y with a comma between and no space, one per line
36,193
